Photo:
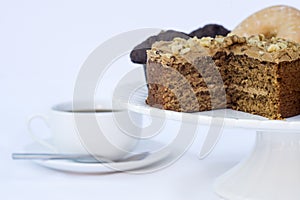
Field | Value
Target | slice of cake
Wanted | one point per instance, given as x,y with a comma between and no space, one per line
255,75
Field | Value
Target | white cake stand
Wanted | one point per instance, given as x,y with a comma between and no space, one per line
271,172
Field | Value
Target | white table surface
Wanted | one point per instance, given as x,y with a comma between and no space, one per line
42,46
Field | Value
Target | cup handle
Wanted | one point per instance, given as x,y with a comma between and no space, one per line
34,136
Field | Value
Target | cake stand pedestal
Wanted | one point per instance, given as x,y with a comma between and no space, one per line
271,172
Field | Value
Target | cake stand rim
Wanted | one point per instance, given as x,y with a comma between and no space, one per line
133,99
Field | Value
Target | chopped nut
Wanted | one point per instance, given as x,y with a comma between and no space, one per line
191,42
261,45
185,50
273,47
282,45
253,40
205,41
219,39
176,48
241,40
228,41
295,48
235,39
179,40
261,37
168,55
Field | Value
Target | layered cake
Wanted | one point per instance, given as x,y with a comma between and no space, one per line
257,75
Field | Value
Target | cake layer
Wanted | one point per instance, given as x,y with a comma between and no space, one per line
288,76
162,97
254,101
289,104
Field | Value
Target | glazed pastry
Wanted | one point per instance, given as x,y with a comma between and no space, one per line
276,21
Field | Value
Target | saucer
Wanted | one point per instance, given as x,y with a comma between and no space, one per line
78,167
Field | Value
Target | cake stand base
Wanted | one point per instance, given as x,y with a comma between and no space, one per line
271,172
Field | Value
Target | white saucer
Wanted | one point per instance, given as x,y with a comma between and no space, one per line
130,166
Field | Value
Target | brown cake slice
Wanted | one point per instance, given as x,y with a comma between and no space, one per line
255,75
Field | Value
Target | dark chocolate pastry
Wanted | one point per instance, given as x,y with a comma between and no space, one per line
138,54
209,30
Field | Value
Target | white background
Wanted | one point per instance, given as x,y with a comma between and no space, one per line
42,46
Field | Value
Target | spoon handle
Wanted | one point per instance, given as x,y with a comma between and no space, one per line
75,157
55,156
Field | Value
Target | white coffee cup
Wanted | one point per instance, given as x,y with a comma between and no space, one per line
95,131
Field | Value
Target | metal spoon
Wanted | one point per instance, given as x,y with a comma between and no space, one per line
83,158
